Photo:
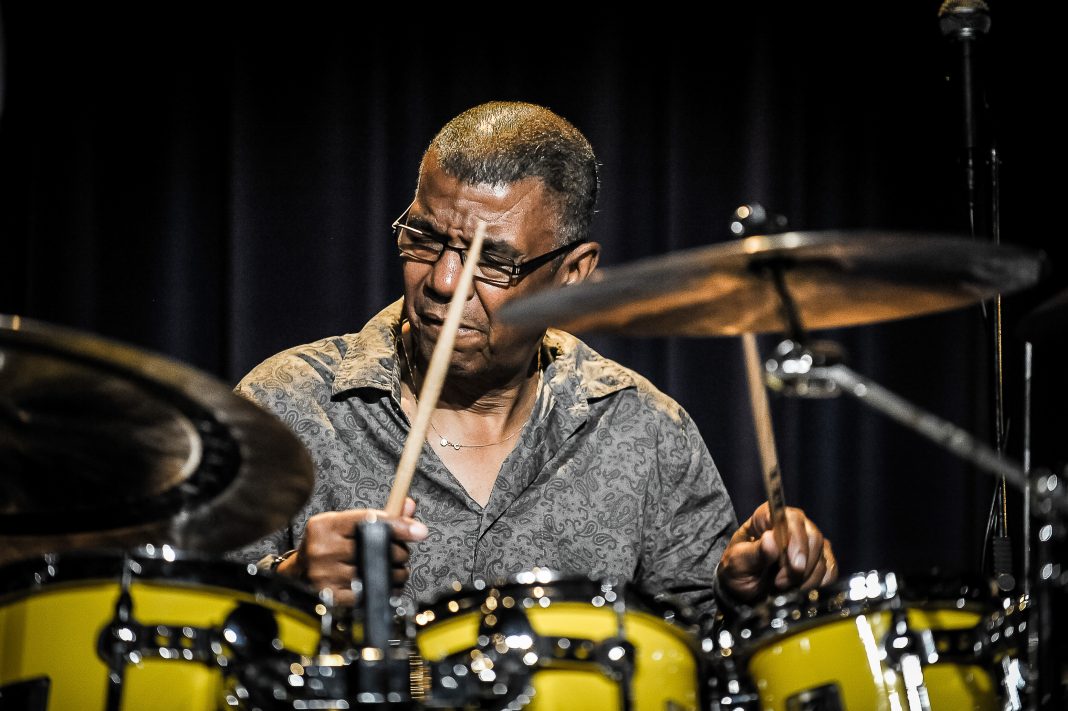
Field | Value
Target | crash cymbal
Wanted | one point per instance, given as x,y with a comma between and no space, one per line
104,445
834,278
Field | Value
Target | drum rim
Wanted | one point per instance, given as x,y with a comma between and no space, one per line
796,611
632,595
154,564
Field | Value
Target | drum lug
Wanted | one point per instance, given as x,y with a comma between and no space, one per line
909,652
131,642
1012,683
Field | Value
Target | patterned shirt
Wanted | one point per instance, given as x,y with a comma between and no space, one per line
609,477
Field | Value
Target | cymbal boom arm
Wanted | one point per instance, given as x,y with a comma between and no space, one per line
1048,493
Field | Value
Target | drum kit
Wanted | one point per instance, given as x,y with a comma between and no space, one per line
125,476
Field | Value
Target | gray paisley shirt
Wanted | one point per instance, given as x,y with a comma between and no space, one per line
609,478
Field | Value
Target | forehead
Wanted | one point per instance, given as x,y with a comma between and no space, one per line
521,214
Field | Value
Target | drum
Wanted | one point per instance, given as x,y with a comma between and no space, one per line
168,625
544,641
871,642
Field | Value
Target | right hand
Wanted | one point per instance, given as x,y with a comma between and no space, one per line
325,556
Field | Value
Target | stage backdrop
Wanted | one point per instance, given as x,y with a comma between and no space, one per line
219,185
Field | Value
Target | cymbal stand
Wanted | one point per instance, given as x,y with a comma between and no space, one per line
1040,560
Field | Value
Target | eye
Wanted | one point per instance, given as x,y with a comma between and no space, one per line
495,260
415,237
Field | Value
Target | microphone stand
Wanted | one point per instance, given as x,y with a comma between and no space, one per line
966,22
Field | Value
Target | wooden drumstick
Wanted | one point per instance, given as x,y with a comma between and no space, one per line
769,459
435,376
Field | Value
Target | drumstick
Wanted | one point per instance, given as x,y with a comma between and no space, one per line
435,376
769,459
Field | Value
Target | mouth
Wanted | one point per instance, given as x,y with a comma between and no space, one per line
435,323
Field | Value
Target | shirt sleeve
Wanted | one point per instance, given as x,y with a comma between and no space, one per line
290,387
689,521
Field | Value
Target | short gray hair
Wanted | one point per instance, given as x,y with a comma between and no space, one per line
503,142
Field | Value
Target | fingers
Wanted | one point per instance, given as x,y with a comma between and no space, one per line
326,553
399,554
802,540
831,568
343,523
747,563
754,564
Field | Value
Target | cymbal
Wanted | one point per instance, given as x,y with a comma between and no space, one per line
103,445
835,279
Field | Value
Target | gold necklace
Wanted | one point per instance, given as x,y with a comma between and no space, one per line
444,441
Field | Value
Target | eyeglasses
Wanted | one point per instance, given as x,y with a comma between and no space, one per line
492,268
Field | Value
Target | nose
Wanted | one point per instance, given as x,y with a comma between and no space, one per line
445,273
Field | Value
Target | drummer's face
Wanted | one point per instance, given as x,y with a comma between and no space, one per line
520,224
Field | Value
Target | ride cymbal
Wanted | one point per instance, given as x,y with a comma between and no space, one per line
834,279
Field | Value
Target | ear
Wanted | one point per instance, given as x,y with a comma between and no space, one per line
579,263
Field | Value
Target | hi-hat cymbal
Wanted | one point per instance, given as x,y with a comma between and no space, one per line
104,445
834,278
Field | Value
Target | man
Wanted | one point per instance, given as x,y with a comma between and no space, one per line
542,453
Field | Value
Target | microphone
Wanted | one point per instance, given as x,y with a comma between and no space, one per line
964,19
964,22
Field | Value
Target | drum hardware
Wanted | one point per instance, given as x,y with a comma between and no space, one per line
920,646
907,651
1048,495
557,641
125,641
359,659
498,670
147,628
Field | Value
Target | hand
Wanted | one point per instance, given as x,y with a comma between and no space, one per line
751,567
325,556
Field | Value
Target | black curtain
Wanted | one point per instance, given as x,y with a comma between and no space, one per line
218,186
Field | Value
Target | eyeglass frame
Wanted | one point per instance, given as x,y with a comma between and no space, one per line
518,269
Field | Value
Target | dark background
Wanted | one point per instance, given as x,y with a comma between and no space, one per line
218,185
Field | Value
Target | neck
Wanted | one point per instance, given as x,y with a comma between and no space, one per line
487,399
472,411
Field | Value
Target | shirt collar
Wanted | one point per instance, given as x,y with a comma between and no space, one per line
575,373
370,359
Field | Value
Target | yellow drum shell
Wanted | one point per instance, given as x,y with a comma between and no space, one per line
52,631
833,645
846,652
666,668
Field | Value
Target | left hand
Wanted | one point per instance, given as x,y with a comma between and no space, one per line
751,567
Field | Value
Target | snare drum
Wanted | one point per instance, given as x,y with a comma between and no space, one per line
545,641
60,625
870,642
